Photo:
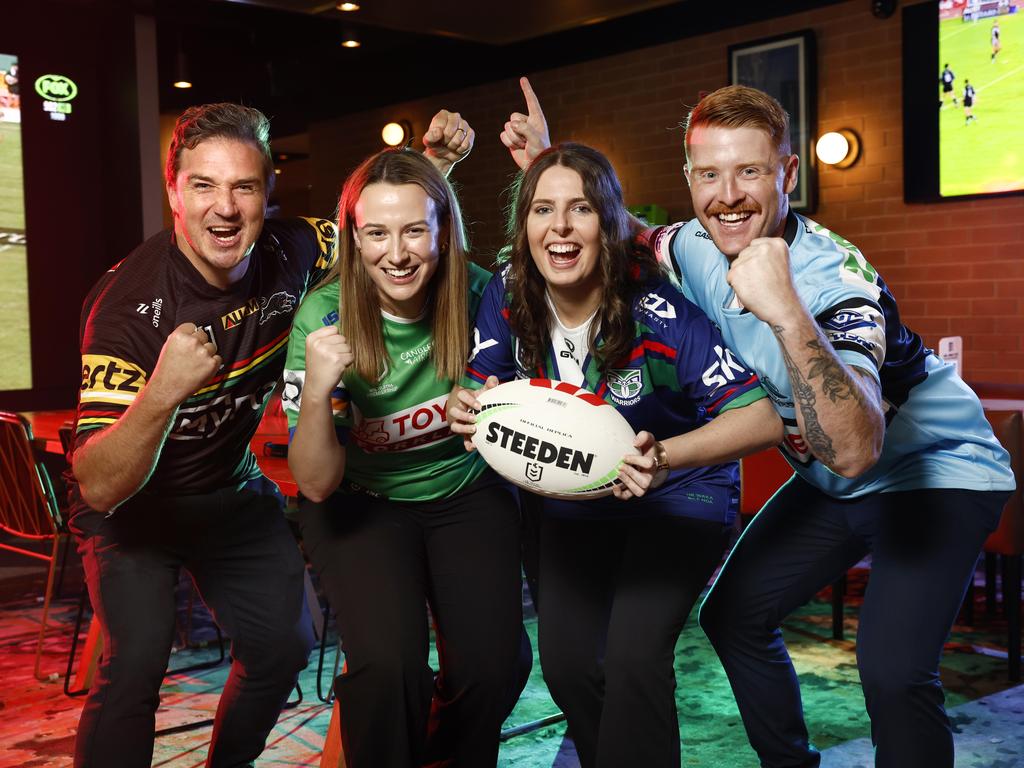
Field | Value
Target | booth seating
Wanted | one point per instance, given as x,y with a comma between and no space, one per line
28,507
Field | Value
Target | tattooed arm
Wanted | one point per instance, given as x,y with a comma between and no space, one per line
838,407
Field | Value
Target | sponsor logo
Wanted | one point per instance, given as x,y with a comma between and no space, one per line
281,303
722,371
542,451
235,317
848,320
158,308
56,87
330,319
413,356
386,388
534,472
110,378
659,305
325,237
701,233
421,424
569,353
625,384
142,309
291,393
480,346
204,421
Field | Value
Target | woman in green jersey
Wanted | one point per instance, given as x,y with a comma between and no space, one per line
397,513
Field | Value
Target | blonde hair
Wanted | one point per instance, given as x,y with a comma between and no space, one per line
359,303
740,106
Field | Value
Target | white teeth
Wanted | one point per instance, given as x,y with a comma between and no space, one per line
733,216
399,272
562,248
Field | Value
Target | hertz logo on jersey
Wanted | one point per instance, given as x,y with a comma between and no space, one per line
110,379
235,317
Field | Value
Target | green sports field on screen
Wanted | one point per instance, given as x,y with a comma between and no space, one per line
15,343
986,154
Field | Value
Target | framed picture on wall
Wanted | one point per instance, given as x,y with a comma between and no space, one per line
785,67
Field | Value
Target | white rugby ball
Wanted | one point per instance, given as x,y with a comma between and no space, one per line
552,438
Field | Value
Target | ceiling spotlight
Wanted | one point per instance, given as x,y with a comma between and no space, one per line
840,149
396,133
181,78
347,6
350,41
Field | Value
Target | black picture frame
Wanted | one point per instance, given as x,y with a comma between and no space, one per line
786,68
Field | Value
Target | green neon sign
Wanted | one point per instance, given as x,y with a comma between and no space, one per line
56,88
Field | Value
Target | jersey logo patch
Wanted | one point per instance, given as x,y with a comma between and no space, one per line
480,346
659,305
625,384
110,379
235,317
280,303
721,372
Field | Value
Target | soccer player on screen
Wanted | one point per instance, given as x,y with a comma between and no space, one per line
946,78
995,40
969,96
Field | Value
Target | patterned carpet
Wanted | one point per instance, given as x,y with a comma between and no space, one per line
38,723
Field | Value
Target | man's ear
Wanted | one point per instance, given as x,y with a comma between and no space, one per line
790,170
686,172
172,197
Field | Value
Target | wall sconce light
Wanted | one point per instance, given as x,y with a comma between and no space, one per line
840,149
396,133
349,39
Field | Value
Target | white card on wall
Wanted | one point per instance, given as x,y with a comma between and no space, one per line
951,349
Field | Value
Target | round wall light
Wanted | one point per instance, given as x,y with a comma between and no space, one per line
840,149
396,133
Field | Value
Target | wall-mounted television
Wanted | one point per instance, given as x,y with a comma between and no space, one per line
963,99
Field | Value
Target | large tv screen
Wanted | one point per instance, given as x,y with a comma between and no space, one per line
15,339
963,99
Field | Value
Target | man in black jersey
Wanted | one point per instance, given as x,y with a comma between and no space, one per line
946,78
182,343
969,97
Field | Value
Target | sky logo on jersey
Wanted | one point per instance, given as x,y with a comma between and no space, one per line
625,384
723,370
110,379
280,303
234,318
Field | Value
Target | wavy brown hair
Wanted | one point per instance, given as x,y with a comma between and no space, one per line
359,304
624,269
740,106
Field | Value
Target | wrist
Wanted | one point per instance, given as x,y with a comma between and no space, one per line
661,465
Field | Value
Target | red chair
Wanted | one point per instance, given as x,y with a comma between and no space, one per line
28,507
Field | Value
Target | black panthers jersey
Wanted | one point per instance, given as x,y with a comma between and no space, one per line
138,303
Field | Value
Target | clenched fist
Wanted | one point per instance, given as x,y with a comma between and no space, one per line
762,281
188,360
328,356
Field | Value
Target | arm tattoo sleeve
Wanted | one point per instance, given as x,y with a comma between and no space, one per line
819,442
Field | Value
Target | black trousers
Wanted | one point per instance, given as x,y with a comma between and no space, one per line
248,568
615,596
381,563
924,545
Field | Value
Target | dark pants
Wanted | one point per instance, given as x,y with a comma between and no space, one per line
248,568
381,563
616,594
924,545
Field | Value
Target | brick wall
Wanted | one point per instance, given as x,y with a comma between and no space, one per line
956,268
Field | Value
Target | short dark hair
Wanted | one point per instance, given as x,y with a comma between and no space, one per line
220,121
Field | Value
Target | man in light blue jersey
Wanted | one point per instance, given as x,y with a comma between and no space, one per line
892,453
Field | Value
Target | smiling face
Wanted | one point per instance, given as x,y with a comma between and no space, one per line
739,183
398,236
219,200
564,233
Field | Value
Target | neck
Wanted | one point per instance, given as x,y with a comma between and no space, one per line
574,305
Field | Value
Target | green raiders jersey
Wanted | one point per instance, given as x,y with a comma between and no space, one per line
398,443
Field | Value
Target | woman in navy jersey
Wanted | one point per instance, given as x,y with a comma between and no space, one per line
577,302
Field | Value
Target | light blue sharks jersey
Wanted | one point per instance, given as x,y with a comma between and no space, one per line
936,433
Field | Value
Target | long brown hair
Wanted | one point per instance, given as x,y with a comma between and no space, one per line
624,270
448,306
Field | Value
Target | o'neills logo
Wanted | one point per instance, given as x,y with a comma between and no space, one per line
541,450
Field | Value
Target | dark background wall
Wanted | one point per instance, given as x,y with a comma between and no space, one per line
957,268
82,196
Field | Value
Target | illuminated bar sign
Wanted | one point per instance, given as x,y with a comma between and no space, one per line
57,92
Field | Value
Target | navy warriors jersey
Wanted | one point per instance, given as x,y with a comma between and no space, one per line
936,433
138,303
397,440
678,376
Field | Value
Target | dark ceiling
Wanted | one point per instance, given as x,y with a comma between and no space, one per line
285,56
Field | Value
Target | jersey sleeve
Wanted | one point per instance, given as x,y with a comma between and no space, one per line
492,353
324,253
709,372
118,355
318,310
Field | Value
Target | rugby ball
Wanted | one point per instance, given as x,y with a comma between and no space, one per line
552,438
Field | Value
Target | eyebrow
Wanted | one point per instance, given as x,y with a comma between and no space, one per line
551,202
371,225
200,177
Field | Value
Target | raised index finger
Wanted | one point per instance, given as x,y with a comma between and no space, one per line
532,102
